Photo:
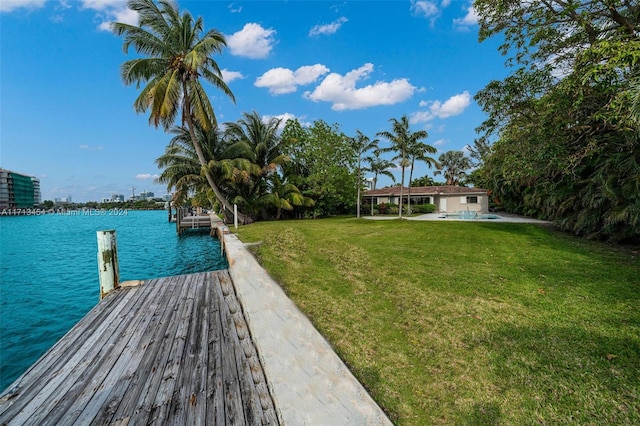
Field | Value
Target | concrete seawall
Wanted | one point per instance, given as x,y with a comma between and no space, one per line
309,383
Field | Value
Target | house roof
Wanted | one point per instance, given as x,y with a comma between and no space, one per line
426,190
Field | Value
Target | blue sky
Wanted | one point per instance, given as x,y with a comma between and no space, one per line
67,118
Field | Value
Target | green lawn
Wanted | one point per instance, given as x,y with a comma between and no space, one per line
469,323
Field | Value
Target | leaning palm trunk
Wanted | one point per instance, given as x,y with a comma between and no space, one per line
203,162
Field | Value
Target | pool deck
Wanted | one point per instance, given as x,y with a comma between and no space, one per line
501,218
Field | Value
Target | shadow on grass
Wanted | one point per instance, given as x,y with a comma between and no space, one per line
483,414
564,374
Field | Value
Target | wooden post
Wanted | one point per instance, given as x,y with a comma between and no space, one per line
108,262
235,216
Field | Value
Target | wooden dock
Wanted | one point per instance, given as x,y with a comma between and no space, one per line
185,221
168,351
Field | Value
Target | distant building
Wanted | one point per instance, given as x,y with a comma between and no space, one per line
145,195
118,198
37,195
18,191
63,200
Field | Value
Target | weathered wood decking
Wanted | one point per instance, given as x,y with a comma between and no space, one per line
170,351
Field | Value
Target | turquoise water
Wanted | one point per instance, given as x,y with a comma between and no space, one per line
49,272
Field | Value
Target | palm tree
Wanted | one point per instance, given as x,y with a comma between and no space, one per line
183,172
262,139
284,195
177,53
362,145
378,166
453,166
402,139
418,151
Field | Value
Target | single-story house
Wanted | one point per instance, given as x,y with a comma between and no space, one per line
447,198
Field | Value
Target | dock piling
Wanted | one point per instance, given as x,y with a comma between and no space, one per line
108,269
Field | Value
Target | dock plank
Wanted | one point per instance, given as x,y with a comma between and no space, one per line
51,377
89,374
165,352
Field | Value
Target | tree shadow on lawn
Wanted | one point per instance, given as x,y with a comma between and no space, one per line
562,374
591,271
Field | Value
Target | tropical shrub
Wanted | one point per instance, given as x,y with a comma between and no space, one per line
423,208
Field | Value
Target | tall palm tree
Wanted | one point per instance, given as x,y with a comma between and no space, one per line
418,151
183,172
178,52
402,139
362,145
379,166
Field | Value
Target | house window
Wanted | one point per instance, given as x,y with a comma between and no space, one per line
472,200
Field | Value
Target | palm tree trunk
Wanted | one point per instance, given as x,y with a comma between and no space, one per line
358,202
409,195
203,162
401,188
375,181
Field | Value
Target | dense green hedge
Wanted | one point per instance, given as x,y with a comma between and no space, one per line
423,208
388,208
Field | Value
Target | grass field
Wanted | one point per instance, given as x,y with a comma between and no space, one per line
469,323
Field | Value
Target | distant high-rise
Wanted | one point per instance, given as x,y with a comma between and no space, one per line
18,191
146,195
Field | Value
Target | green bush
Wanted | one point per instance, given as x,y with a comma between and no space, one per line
423,208
387,208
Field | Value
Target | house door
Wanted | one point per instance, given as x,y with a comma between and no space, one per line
443,204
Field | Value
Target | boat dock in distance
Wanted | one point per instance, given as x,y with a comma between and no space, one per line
186,221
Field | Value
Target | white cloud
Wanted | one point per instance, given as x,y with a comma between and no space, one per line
283,80
11,5
455,105
342,92
103,4
91,148
252,41
283,119
111,11
328,28
424,8
233,8
440,142
229,76
471,18
146,176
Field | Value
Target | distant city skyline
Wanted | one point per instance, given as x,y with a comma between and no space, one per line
68,119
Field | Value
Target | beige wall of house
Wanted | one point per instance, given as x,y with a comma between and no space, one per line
456,203
448,203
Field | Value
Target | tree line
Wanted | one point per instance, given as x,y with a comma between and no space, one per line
561,141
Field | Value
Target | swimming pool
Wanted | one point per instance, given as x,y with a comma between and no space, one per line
469,215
